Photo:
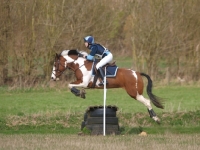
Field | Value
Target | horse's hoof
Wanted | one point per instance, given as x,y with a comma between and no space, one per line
156,119
158,122
82,93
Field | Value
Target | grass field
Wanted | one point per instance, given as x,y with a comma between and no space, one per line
74,142
37,101
52,117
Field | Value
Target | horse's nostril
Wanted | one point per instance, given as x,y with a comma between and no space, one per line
53,78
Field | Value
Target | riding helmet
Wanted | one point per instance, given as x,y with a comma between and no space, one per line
89,39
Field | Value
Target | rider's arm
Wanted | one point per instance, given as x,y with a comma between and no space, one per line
92,53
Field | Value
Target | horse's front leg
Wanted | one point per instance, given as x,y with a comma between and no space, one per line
81,93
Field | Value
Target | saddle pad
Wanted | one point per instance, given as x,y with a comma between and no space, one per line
111,71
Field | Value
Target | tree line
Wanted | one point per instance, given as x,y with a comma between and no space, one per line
161,36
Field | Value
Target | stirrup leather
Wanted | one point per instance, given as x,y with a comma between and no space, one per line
102,76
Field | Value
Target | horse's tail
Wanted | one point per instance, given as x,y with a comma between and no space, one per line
157,101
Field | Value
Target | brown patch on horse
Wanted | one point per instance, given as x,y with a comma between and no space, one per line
77,71
88,64
140,84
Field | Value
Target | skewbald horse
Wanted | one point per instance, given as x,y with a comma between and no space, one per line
127,79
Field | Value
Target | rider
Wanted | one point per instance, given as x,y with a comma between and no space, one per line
99,50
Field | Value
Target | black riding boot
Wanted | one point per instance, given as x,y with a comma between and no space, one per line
102,75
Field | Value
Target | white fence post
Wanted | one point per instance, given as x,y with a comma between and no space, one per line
104,112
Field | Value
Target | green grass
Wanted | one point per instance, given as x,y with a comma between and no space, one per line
36,101
59,111
121,142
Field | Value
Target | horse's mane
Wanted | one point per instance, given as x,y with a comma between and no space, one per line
72,52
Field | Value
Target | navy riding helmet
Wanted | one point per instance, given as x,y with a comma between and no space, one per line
89,39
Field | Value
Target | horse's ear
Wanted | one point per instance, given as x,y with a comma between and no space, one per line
56,57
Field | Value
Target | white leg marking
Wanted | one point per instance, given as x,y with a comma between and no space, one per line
84,84
144,101
53,73
156,118
135,75
78,85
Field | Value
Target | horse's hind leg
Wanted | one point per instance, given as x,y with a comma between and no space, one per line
144,101
147,103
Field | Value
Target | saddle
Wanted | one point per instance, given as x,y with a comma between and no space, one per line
108,67
111,71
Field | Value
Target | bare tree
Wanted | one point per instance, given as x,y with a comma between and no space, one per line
165,32
5,32
162,36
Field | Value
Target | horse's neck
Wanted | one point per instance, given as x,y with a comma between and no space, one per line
83,63
79,63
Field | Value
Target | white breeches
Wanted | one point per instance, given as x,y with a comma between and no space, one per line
105,60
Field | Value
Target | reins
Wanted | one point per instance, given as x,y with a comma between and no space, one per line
59,70
68,66
76,68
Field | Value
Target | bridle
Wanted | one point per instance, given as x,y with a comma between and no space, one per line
57,67
67,67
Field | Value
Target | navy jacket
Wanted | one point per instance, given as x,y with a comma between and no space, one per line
97,49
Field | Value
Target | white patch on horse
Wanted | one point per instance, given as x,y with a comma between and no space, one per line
144,101
135,75
87,75
68,59
65,55
53,76
64,52
84,53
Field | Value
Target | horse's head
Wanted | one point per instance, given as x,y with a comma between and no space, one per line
59,67
63,61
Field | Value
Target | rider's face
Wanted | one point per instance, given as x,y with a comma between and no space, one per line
86,44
